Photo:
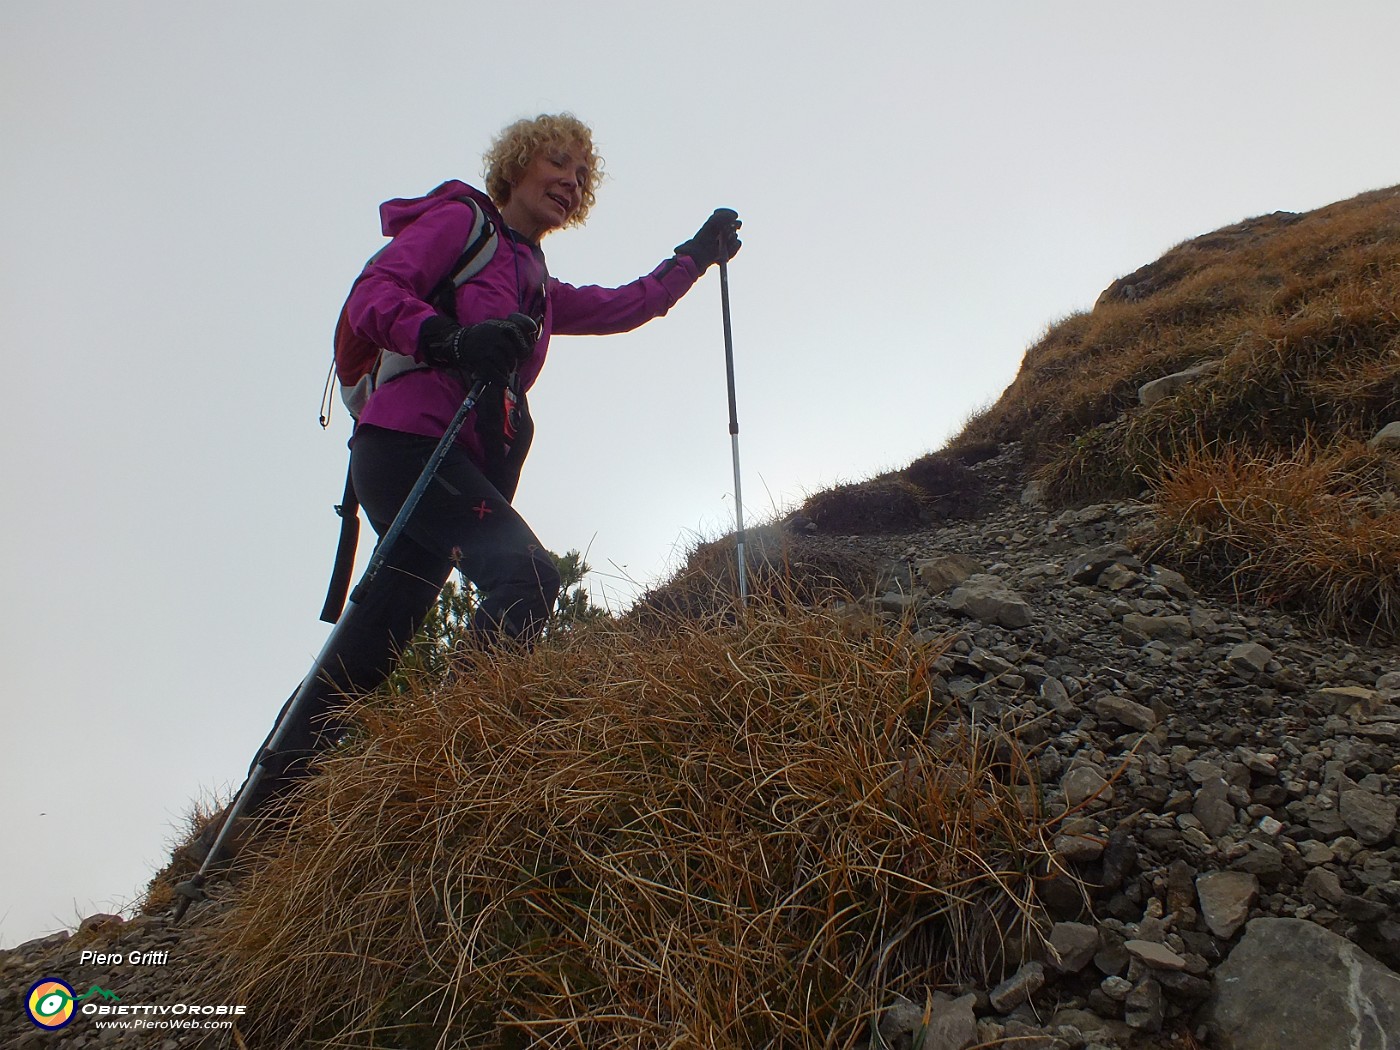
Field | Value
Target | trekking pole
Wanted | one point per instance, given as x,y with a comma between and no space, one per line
733,428
193,889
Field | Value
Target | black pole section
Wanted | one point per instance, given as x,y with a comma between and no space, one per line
728,345
733,428
415,496
194,889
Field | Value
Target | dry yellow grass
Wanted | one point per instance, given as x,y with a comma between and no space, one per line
1302,313
1315,530
780,568
712,835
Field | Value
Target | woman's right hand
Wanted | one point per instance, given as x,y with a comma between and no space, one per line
490,350
717,239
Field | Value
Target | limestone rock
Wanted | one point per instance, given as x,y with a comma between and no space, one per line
988,599
1154,955
1086,567
1150,393
1018,988
1173,630
1325,885
1083,783
1213,808
1370,817
1144,1008
1079,849
1226,897
1387,438
1292,983
1126,712
951,1025
1072,946
947,571
1349,699
1249,658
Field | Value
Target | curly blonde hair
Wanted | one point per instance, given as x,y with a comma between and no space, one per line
513,149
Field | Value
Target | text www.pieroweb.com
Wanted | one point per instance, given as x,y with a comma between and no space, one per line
179,1016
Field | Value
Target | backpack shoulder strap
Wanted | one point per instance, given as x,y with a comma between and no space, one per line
481,247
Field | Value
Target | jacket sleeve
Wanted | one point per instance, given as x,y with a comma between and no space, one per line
591,310
388,303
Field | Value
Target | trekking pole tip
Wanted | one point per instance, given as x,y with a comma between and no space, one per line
186,893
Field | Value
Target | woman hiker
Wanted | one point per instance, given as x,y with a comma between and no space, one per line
541,176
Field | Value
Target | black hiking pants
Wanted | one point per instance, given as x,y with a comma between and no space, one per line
464,522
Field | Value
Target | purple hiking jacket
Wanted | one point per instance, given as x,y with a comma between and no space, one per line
429,233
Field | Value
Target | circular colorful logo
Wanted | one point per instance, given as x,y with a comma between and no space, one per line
50,1003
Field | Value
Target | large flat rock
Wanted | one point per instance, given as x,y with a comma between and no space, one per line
1292,983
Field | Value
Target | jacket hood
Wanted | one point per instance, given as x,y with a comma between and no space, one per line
394,215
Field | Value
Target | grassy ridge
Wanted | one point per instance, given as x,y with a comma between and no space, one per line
1259,469
1302,314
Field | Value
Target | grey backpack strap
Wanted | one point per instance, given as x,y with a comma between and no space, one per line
480,249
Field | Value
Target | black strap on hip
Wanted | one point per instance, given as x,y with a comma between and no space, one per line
349,510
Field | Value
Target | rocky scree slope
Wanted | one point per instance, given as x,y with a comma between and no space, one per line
1228,780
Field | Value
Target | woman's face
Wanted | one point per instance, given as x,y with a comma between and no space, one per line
549,191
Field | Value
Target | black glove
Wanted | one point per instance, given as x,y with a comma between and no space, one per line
491,350
717,239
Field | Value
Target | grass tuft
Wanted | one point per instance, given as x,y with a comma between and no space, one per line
949,488
1315,530
701,835
877,507
779,567
187,850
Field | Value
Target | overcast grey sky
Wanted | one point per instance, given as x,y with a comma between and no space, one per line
187,189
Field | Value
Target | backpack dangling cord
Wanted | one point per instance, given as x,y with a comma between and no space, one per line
328,395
